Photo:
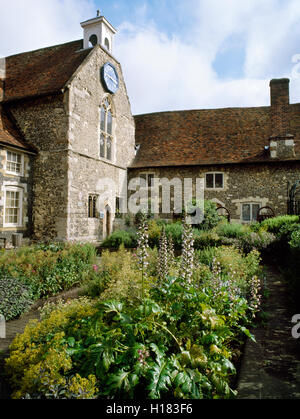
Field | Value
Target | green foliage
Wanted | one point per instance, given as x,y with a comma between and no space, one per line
203,239
295,239
154,231
274,225
206,256
15,298
259,241
118,238
175,231
175,342
211,217
47,270
232,230
118,276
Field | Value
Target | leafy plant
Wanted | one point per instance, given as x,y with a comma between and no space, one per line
144,337
274,225
47,270
118,238
15,298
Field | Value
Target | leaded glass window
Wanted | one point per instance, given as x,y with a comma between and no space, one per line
106,130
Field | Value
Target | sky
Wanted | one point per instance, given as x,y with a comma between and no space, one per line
175,54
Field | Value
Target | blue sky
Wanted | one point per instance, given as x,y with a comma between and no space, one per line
175,54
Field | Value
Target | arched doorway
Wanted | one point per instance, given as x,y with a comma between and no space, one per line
107,221
223,212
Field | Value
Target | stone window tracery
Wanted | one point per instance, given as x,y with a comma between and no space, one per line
106,129
93,199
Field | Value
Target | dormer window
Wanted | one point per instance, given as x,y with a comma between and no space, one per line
106,130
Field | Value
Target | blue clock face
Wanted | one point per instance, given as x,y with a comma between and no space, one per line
110,78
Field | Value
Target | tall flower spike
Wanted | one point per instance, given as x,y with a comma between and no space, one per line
142,250
143,246
171,253
163,257
187,258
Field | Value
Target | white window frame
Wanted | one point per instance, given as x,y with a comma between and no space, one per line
22,164
251,211
20,221
214,187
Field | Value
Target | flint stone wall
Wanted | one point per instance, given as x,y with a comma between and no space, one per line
264,184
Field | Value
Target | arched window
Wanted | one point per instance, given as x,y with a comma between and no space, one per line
93,41
106,44
93,199
106,130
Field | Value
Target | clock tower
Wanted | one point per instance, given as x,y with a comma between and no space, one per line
98,31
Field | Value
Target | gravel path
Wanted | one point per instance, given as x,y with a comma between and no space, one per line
271,367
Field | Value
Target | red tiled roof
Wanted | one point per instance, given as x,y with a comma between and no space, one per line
44,71
207,137
9,134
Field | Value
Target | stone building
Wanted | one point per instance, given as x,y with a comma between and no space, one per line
66,128
66,116
248,157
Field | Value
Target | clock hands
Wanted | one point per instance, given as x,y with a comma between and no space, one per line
112,79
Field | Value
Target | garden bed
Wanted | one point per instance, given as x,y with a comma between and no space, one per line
154,323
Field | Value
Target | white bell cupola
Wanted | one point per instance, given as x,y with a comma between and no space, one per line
98,31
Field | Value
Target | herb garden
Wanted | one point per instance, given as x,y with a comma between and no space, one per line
152,322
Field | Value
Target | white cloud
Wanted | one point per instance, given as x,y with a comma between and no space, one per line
166,71
176,72
167,74
32,24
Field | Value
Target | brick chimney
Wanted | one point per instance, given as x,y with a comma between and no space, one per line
281,141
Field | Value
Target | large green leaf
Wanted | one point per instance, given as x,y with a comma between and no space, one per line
160,380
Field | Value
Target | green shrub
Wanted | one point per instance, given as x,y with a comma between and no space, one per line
274,225
96,285
48,270
175,231
120,237
211,217
206,255
295,239
206,239
154,232
259,241
232,230
15,298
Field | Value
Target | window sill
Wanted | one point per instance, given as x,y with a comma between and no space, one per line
13,226
106,160
14,174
